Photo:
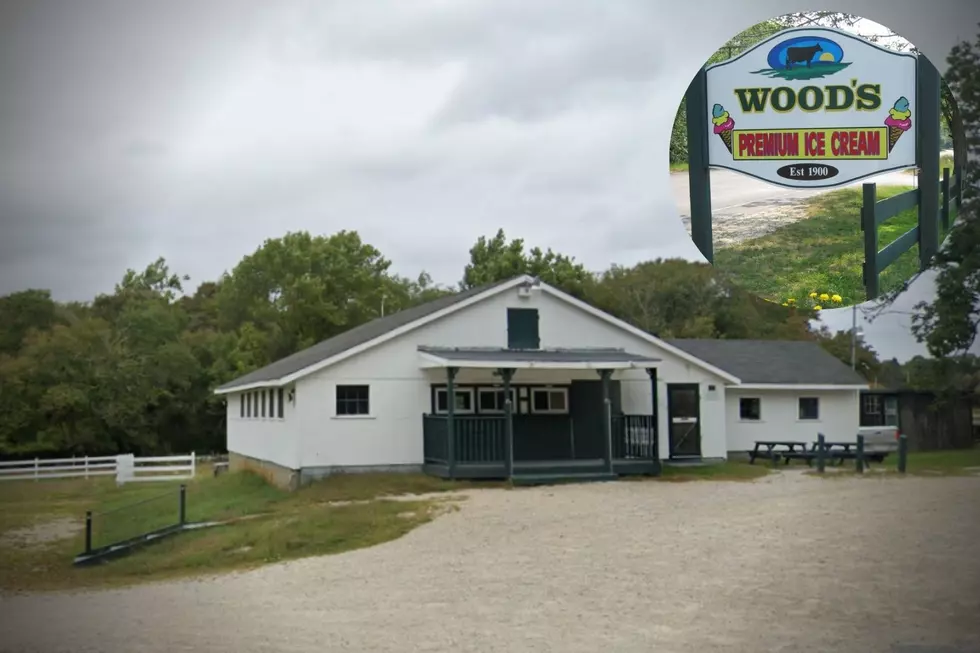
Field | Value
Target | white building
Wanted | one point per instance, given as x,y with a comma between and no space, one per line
375,397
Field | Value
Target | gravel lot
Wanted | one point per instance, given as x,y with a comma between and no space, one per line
785,563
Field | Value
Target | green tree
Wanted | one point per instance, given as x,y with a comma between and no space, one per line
675,298
948,323
496,259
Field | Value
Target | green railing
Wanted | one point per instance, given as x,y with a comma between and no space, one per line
634,437
476,439
875,212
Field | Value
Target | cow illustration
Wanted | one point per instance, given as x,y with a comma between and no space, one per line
801,55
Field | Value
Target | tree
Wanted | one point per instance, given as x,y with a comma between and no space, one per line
948,323
675,298
495,259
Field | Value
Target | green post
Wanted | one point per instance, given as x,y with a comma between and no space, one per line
870,228
182,510
507,374
944,189
655,418
859,458
928,94
903,453
88,531
821,453
699,174
451,419
606,419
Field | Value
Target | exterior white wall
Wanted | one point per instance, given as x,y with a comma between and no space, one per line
264,438
779,410
400,390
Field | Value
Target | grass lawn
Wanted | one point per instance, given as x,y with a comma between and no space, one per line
338,514
679,167
823,253
961,462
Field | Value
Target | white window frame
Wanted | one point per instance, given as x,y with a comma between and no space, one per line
458,411
750,419
370,404
800,418
550,390
488,389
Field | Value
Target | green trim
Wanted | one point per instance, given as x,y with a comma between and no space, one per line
928,94
699,174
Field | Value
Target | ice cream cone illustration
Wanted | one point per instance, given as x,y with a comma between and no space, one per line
723,125
898,121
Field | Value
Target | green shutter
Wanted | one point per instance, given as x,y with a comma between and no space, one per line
522,328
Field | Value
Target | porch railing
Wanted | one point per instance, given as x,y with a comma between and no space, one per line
634,437
477,439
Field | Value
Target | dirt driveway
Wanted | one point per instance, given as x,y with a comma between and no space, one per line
784,563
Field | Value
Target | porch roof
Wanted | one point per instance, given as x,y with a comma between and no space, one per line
570,359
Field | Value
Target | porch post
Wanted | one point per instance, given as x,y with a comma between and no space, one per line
451,419
655,413
607,419
507,375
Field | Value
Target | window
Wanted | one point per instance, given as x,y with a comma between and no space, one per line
871,404
255,404
491,400
241,405
522,328
463,404
262,394
549,400
750,409
248,404
280,402
272,403
809,408
353,400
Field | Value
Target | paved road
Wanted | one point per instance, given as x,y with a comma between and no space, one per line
735,194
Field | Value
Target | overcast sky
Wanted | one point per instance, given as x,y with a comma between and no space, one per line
197,129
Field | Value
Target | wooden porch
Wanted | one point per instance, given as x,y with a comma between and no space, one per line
534,433
549,452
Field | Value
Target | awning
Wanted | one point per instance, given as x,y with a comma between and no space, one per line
546,359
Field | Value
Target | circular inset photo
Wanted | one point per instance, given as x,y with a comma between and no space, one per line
816,160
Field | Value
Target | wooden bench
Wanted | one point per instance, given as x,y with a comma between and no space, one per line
220,468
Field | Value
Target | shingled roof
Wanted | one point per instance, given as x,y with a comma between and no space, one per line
773,362
352,338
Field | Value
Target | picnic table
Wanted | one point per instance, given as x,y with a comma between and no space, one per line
792,448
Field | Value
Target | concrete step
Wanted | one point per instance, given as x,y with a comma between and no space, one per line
558,478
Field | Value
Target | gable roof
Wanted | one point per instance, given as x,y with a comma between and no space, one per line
775,362
365,336
359,335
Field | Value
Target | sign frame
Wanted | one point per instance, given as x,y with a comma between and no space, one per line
802,32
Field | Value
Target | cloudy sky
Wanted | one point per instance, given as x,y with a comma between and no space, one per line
195,129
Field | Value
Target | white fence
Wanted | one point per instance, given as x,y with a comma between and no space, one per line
126,468
154,468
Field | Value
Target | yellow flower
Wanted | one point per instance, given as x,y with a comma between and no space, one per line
785,303
837,299
813,295
790,301
824,297
818,308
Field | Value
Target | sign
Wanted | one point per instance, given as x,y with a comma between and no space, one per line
813,108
